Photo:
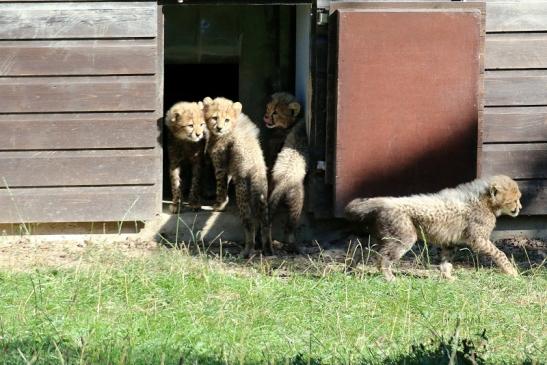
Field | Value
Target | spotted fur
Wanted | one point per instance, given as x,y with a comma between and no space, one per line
465,214
280,116
186,139
236,154
291,164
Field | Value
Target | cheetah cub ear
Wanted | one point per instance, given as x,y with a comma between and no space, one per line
295,108
207,101
174,116
237,108
200,105
494,190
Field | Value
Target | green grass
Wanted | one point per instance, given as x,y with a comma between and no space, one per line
172,308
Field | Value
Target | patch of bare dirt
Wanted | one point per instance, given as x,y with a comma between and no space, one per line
25,255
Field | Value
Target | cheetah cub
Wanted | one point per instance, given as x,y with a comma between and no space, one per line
186,142
236,154
464,214
291,164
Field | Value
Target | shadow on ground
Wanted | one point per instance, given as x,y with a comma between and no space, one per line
321,257
49,350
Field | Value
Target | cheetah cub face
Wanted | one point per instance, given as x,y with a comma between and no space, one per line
281,111
505,196
185,120
221,115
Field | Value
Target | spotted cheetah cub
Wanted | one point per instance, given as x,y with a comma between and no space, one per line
236,154
186,141
291,164
281,114
465,214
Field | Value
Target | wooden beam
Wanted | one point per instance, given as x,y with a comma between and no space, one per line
82,204
78,57
77,94
520,161
516,88
534,197
516,51
515,124
511,16
80,20
69,168
78,131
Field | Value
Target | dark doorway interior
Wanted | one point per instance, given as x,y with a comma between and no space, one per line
194,82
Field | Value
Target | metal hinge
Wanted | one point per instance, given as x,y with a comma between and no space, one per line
322,17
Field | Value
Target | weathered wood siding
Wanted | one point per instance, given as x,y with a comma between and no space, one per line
515,117
80,107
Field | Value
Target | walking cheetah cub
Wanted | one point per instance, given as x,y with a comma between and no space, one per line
186,141
291,164
235,152
464,214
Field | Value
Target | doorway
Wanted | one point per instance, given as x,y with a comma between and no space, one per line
241,52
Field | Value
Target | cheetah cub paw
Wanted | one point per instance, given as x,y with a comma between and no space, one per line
220,206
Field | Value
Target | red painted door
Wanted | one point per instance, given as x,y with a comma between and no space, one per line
407,96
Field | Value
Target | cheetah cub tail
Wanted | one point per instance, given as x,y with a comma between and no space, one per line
360,209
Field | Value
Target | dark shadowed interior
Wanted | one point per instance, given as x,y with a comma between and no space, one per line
193,82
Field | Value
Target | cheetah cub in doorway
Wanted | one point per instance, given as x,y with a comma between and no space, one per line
464,214
236,154
186,140
291,164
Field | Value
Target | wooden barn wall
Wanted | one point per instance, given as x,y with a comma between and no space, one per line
515,116
80,87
